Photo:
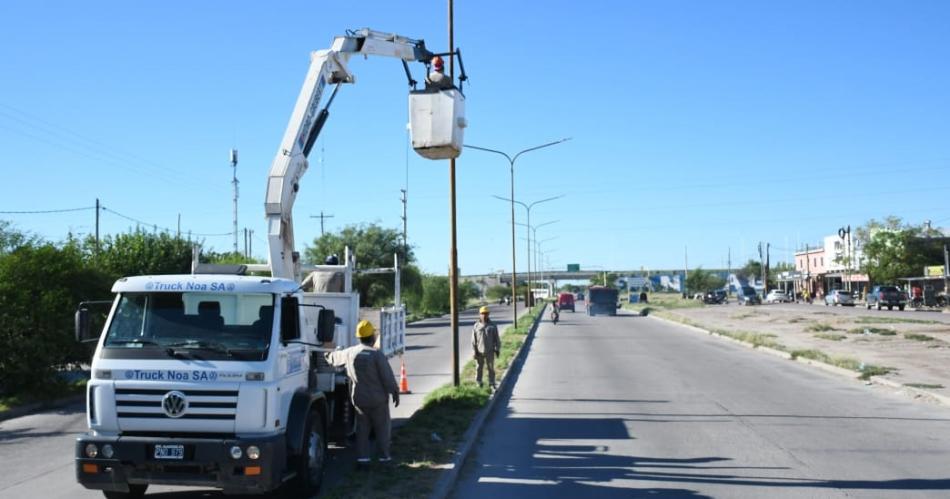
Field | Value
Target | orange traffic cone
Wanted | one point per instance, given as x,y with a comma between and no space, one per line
403,379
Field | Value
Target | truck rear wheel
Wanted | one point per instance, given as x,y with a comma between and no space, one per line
136,491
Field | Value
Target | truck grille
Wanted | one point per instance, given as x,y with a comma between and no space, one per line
140,403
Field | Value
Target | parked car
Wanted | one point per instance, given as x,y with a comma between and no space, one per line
565,301
748,296
886,296
777,296
715,297
839,297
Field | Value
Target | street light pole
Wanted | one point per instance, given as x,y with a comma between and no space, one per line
528,207
511,162
535,250
453,252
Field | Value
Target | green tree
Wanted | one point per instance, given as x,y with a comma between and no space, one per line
700,280
374,247
227,258
40,287
138,252
11,238
751,271
598,280
435,294
468,292
890,255
495,293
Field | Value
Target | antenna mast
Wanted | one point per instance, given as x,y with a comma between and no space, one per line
234,182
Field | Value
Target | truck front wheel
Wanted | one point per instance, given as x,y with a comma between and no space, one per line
309,465
136,491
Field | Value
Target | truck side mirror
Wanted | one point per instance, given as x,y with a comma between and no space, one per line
81,322
289,319
326,325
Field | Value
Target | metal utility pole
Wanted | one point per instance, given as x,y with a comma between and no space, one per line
845,235
234,182
946,269
685,269
808,269
728,270
98,208
764,261
322,217
453,250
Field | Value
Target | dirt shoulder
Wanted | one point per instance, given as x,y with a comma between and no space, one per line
908,351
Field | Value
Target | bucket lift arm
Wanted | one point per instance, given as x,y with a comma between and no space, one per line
327,66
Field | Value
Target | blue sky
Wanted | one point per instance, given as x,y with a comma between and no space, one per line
707,125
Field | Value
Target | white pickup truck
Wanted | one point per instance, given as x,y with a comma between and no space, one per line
220,381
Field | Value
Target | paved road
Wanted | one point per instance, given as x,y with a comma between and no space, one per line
37,451
635,407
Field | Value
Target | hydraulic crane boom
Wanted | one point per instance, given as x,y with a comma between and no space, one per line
326,67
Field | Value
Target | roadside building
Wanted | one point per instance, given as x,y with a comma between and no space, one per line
842,267
810,266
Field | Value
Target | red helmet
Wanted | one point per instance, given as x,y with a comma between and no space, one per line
437,62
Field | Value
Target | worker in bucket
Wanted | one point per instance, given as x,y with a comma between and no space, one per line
485,346
371,383
437,79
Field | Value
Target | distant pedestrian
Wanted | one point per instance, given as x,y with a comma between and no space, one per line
486,345
371,384
437,79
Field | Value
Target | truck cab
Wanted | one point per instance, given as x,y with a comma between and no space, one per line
216,380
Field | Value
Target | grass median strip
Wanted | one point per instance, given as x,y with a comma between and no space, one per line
865,319
925,386
873,330
428,443
851,364
919,337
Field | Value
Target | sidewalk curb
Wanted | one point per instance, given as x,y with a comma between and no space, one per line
28,409
908,391
446,482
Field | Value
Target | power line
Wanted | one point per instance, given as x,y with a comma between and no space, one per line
35,212
164,229
50,128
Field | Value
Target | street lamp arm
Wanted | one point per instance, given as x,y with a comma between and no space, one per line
547,199
535,148
511,201
509,158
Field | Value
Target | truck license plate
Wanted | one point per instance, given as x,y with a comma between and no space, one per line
169,451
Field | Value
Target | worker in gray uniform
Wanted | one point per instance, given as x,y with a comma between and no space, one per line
371,383
486,345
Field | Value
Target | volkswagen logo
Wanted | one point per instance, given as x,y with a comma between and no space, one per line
174,404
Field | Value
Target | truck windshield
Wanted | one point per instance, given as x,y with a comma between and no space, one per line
193,325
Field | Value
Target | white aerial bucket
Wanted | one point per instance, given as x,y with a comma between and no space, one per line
436,122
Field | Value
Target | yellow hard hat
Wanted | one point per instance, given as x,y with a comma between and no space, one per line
365,329
483,310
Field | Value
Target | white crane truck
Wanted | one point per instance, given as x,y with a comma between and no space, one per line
218,379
